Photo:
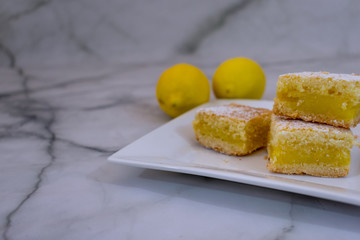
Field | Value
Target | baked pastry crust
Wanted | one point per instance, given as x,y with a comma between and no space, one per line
319,97
232,129
299,147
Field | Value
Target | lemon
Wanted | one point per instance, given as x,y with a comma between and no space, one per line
181,88
239,78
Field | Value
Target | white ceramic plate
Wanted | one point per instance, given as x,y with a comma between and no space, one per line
172,147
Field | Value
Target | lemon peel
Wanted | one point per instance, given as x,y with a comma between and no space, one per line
239,78
181,88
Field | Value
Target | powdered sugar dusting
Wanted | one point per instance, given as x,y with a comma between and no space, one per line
237,111
283,123
325,75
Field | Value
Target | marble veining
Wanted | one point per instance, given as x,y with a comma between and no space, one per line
287,229
31,111
190,45
110,31
78,83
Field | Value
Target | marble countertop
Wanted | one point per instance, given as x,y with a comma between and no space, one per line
78,83
59,125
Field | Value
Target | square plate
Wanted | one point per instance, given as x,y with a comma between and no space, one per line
173,147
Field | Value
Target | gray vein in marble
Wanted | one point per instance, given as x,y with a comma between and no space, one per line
81,44
37,5
64,83
13,65
47,126
124,99
28,110
68,27
104,19
291,226
24,82
122,32
342,57
21,134
92,148
9,54
7,128
210,25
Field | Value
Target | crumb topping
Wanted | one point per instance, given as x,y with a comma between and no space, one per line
237,111
325,75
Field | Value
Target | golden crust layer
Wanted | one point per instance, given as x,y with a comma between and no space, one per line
224,147
232,129
309,169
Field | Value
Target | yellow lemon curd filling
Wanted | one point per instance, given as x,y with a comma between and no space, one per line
336,107
310,154
224,131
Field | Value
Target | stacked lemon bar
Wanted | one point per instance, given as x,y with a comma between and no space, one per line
310,128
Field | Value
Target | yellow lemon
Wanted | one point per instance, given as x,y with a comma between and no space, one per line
239,78
181,88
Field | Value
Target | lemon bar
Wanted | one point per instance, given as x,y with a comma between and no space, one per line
232,129
299,147
319,97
